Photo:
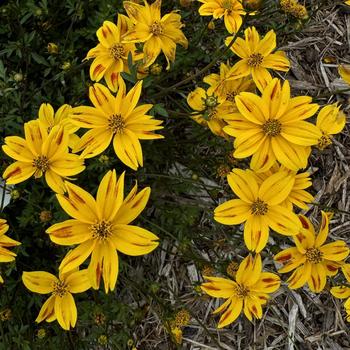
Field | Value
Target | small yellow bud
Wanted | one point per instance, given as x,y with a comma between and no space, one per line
38,12
66,65
211,25
252,4
130,343
223,170
155,69
103,159
207,270
41,333
18,77
102,340
182,318
99,318
5,314
232,268
52,48
15,194
195,177
45,216
211,101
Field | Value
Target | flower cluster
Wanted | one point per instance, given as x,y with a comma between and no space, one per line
100,228
246,105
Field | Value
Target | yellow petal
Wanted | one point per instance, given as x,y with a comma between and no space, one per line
66,311
47,311
69,232
341,292
18,172
78,281
243,184
17,148
232,312
218,287
133,240
317,280
232,212
267,283
39,281
110,195
300,276
283,221
335,251
132,206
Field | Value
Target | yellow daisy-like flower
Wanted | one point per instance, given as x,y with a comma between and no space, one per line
61,304
6,242
343,292
272,127
102,227
331,120
347,2
311,259
111,54
156,32
231,10
249,292
257,57
48,119
297,196
227,89
41,153
118,119
259,207
214,110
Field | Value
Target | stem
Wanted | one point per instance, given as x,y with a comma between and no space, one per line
3,196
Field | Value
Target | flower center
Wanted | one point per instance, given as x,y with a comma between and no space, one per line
324,141
259,208
60,289
272,128
156,28
227,5
116,123
101,230
313,255
41,163
117,51
241,291
255,60
230,96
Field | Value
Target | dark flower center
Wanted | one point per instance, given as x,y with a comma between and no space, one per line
156,28
255,60
117,51
259,207
101,230
313,255
116,123
41,163
60,289
272,128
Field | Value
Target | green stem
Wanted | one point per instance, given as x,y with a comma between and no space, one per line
3,196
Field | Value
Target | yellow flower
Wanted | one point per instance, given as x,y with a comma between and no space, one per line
48,119
60,305
156,32
248,292
6,242
343,292
330,121
118,119
297,196
259,207
214,110
111,54
41,153
272,127
227,89
347,2
177,334
101,228
344,71
311,259
231,10
257,57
